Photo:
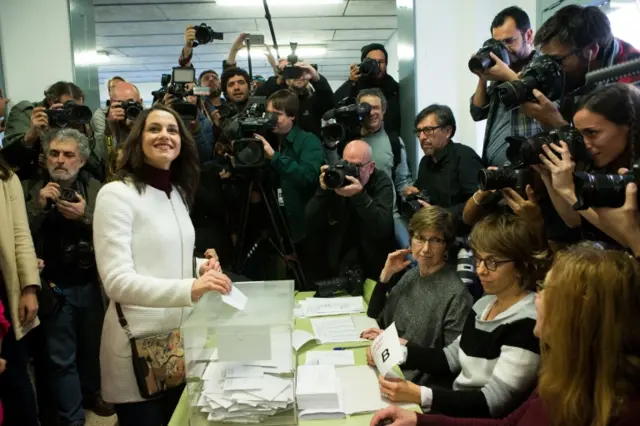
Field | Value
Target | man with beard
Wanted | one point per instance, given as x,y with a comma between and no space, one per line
315,96
513,28
60,218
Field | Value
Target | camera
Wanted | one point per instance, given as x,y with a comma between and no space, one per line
66,194
205,34
482,60
603,190
526,152
343,123
291,71
351,281
369,69
175,85
132,109
70,113
544,73
411,204
336,176
505,177
247,150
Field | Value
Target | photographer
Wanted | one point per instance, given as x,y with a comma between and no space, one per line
236,87
118,119
314,95
513,28
352,226
28,122
357,81
607,118
448,172
60,217
296,159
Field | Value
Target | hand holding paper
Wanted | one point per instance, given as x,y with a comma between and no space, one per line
235,298
386,350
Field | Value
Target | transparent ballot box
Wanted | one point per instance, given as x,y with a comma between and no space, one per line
240,364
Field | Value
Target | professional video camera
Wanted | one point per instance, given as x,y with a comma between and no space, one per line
336,176
351,281
205,34
369,69
505,177
291,71
175,85
247,150
525,152
70,113
602,190
343,122
544,73
482,60
411,205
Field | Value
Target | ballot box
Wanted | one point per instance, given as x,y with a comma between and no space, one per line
239,360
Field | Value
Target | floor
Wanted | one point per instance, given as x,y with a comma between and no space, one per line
93,420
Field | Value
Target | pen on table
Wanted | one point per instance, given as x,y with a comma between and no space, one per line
346,348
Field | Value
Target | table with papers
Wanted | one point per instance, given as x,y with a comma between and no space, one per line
344,360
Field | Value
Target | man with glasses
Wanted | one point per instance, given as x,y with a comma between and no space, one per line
383,81
448,172
513,28
352,226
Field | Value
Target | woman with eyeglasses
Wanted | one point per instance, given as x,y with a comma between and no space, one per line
497,355
429,304
587,309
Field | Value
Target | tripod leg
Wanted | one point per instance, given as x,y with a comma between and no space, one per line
243,228
283,237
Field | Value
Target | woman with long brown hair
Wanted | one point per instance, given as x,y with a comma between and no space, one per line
143,239
588,312
19,283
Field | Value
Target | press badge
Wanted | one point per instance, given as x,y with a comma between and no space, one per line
280,198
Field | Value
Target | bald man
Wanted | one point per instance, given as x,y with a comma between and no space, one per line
352,226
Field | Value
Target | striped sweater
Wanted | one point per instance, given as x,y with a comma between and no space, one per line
496,362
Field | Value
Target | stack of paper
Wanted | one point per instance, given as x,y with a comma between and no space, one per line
337,358
243,394
317,307
335,330
318,392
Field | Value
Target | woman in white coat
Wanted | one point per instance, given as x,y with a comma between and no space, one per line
143,239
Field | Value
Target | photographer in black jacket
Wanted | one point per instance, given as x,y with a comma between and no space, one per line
375,58
352,226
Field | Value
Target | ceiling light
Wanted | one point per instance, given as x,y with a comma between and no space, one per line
91,57
276,2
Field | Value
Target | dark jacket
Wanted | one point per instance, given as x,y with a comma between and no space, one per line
313,105
25,158
451,177
391,90
298,166
65,245
363,223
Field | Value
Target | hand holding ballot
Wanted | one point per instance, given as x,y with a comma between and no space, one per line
386,350
210,281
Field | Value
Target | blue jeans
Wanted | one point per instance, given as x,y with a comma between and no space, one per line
73,347
154,412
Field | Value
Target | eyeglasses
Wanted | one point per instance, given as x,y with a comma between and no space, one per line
433,241
428,131
490,263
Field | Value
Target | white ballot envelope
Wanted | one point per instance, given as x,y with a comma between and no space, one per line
387,350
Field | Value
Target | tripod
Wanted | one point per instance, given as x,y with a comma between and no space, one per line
283,243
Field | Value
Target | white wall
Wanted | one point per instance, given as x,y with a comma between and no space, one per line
36,46
393,65
442,51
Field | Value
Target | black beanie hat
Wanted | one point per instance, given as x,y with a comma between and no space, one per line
374,46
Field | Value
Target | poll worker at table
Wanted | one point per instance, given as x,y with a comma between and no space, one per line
586,311
430,303
144,242
497,354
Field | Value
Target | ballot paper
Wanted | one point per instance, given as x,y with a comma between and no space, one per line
337,358
235,298
299,338
317,388
317,307
335,330
281,360
386,350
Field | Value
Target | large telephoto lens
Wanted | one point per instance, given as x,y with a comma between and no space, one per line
600,190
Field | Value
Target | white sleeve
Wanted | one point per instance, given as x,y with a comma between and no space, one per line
112,238
426,398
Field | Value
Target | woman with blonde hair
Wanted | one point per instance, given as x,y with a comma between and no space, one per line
588,310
